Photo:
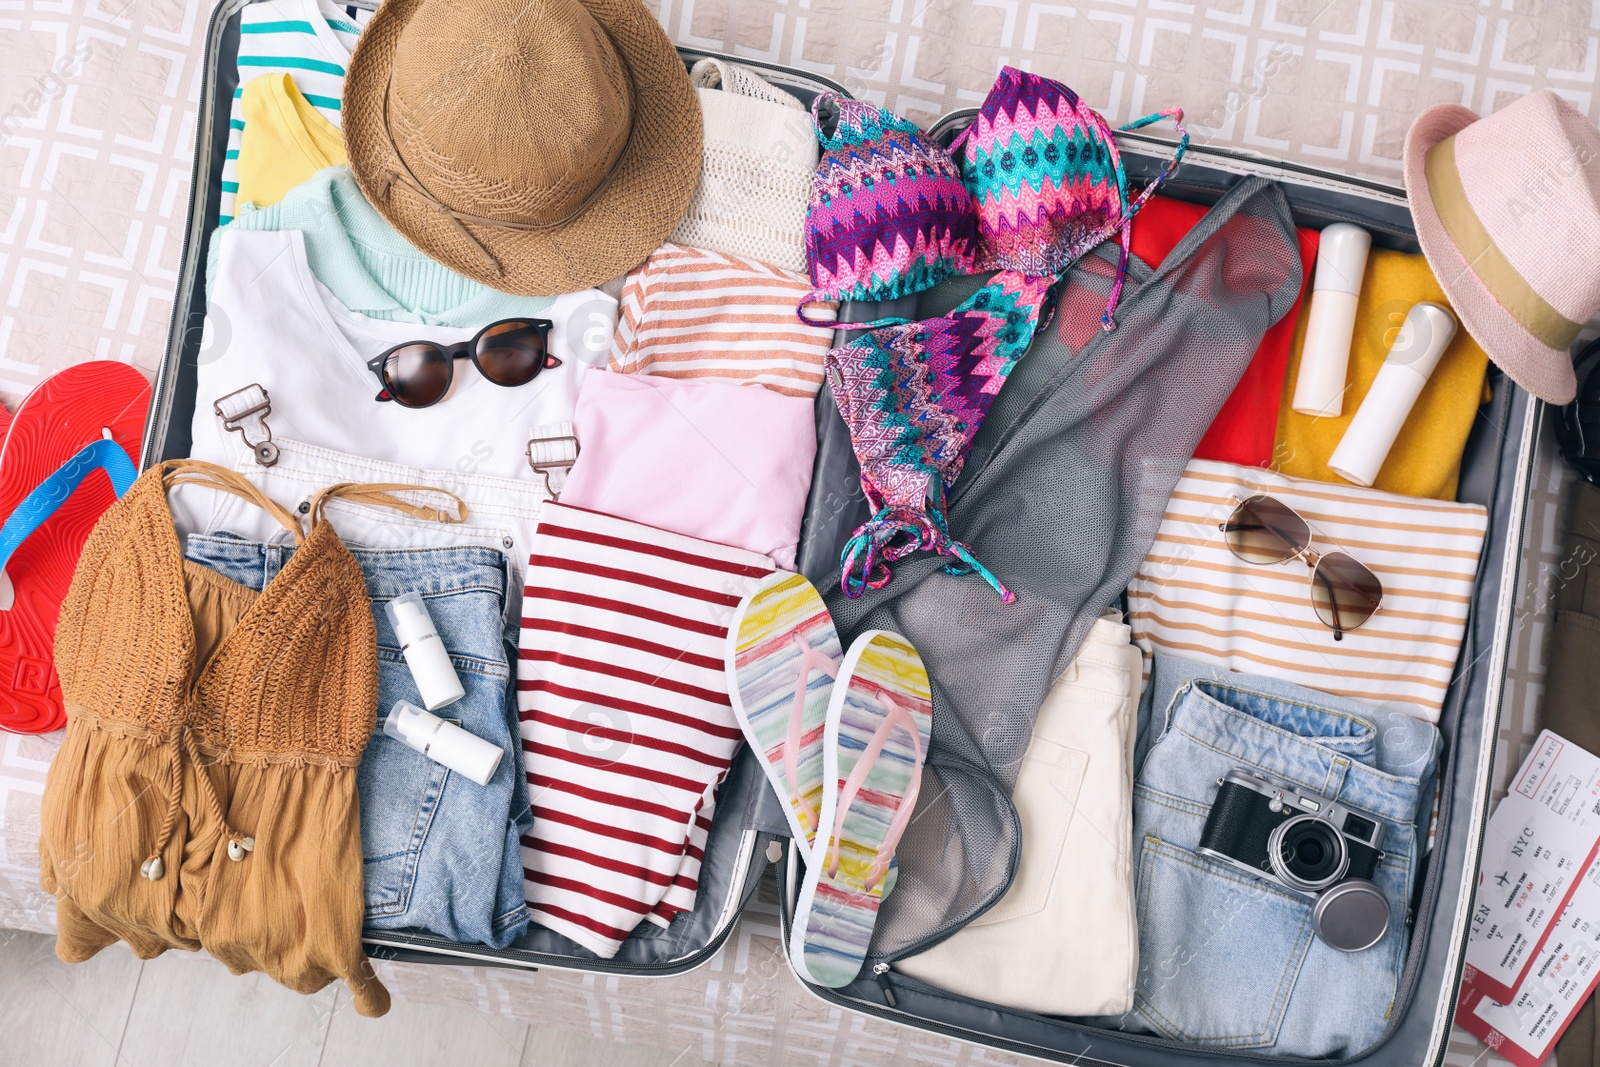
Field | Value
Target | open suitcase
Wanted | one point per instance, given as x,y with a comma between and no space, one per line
750,834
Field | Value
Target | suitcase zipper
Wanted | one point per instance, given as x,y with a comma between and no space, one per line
880,971
1535,421
886,979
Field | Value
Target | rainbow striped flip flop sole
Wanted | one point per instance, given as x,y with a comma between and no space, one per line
783,654
875,742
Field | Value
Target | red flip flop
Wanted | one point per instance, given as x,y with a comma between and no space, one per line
63,414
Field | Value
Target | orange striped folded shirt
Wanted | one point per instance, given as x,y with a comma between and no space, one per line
1192,597
689,313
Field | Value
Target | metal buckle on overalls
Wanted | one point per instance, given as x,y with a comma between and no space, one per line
559,451
242,404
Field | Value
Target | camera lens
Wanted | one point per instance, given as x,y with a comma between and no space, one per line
1307,853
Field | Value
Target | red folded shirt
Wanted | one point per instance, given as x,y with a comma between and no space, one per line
1244,429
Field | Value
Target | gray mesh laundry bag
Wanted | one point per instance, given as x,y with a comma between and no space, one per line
1061,497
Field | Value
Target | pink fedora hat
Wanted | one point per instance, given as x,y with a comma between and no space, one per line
1507,210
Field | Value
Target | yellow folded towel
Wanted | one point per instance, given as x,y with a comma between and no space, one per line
1426,458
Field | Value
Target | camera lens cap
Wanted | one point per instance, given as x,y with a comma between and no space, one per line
1351,916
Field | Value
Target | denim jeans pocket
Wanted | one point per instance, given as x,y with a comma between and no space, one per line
1229,960
1219,951
399,805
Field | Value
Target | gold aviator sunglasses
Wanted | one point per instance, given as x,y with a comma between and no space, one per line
1263,530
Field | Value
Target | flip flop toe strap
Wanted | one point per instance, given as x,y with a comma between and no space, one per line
895,716
810,659
50,494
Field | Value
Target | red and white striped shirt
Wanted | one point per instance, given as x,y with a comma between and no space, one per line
626,726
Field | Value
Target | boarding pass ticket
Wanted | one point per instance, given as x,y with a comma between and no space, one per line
1526,1028
1537,846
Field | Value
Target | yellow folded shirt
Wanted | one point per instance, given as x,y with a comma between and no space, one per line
1426,458
284,141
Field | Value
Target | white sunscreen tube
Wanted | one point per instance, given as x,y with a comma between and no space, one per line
1325,356
1427,331
425,653
443,742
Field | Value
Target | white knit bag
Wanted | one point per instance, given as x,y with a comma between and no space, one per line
760,153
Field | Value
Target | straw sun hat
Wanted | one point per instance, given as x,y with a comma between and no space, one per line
1507,209
536,146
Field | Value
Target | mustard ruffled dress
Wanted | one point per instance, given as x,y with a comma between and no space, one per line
205,794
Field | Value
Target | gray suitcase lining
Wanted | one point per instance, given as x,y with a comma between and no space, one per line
1495,472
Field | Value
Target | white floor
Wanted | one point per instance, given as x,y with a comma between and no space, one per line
179,1011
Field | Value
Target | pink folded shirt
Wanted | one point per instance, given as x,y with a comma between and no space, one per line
722,463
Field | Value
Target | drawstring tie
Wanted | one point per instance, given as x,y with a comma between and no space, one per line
896,532
238,844
1123,226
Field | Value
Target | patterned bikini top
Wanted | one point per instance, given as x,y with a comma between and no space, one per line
889,215
1048,180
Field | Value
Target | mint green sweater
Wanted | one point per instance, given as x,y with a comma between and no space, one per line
368,266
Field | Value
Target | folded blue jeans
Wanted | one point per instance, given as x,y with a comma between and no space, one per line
1403,745
441,853
1228,960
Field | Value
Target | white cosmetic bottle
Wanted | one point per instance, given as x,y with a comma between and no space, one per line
425,653
1427,331
1325,356
443,742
